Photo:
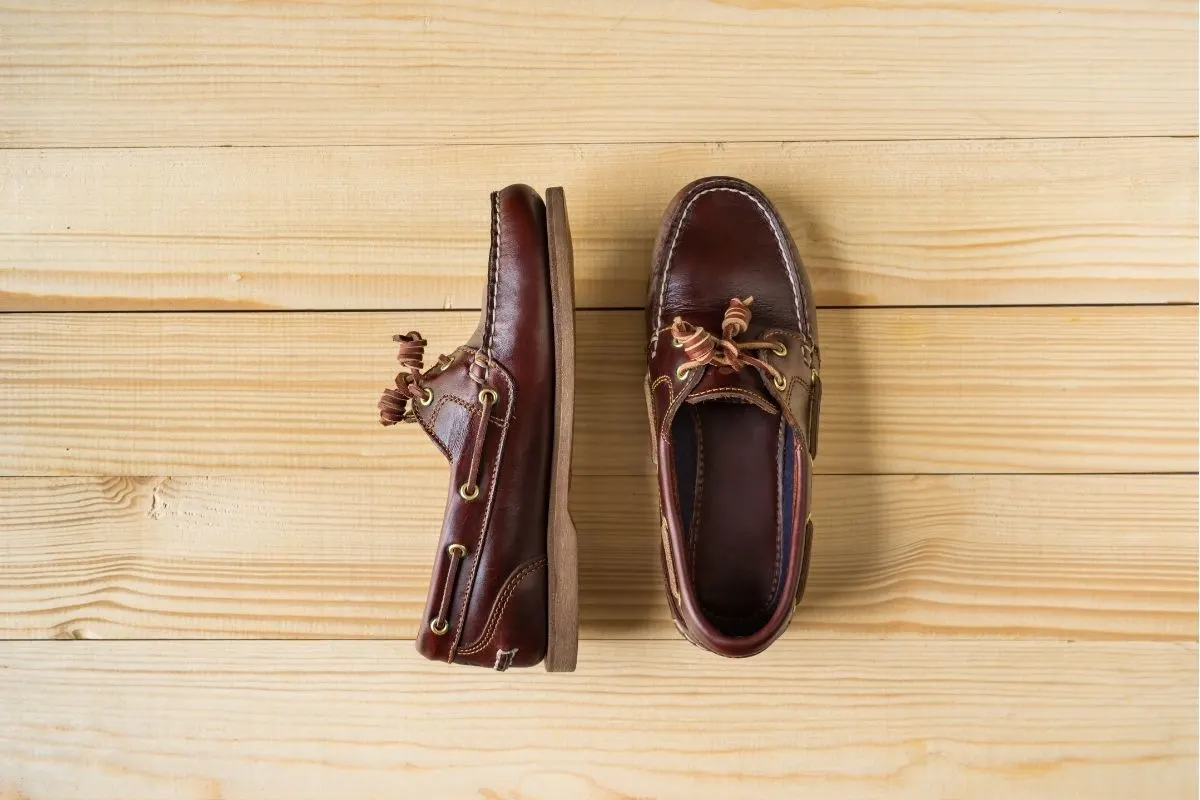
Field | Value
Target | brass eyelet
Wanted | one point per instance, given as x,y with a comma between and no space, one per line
675,342
780,349
457,550
468,493
488,393
682,373
780,383
439,629
426,397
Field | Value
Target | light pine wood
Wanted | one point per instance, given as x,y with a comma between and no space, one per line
997,204
878,223
216,73
900,718
320,554
906,390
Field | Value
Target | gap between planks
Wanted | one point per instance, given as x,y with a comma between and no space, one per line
907,391
534,70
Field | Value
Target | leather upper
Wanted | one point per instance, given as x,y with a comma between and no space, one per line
733,443
487,596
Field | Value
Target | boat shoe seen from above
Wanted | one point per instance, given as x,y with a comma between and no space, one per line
733,393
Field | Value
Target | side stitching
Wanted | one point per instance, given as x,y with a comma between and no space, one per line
651,396
670,560
502,600
433,437
487,514
756,400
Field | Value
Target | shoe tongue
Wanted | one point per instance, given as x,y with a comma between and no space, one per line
721,384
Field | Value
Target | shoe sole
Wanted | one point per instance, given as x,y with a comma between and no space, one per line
562,551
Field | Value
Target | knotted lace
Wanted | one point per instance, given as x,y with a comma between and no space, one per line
703,349
393,405
394,402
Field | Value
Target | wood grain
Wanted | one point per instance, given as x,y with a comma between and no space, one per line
907,391
997,203
908,718
878,223
329,555
220,73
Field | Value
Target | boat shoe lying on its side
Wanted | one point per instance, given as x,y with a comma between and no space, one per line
503,591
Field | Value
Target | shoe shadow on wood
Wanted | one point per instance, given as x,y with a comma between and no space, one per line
848,577
614,496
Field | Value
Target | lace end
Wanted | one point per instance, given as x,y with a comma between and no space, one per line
392,407
412,337
737,317
698,344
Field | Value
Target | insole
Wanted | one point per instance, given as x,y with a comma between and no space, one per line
735,542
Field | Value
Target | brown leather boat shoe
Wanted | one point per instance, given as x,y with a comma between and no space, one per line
733,392
501,409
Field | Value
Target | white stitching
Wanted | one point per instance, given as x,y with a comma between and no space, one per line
494,276
504,659
783,251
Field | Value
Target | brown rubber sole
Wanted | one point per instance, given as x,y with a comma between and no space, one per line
562,551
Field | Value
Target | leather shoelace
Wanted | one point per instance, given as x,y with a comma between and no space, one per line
441,622
703,349
394,409
487,399
393,405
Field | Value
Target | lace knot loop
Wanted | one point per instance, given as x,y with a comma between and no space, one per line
737,318
702,348
393,405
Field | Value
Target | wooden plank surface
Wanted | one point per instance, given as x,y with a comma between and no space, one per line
906,391
216,73
900,718
878,223
331,555
997,203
